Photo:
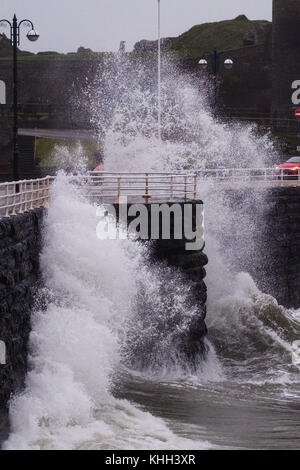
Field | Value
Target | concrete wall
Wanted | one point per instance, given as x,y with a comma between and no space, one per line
20,238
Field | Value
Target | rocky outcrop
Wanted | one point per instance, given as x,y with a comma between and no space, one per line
145,45
19,273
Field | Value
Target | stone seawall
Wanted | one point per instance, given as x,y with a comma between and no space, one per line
20,238
283,230
262,237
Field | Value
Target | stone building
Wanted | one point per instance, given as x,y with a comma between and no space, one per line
286,56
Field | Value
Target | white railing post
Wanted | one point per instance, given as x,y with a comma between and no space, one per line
195,187
25,197
6,200
37,200
147,196
43,194
48,190
119,189
21,197
31,196
14,200
171,188
185,188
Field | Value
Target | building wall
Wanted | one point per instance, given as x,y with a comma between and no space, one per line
5,147
286,54
248,84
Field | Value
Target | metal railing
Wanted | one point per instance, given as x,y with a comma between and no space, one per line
243,175
105,186
17,197
137,187
147,187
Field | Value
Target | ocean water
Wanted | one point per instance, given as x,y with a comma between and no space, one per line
81,391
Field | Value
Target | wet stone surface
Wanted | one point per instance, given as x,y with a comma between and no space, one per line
19,273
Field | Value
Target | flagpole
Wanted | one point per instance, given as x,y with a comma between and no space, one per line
159,75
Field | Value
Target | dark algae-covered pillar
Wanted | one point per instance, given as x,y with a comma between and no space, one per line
179,251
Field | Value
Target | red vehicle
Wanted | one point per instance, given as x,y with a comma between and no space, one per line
100,167
290,169
99,160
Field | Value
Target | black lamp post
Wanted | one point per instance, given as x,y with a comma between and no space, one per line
228,64
15,41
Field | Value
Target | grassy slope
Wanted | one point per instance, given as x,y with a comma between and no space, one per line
222,35
63,153
69,56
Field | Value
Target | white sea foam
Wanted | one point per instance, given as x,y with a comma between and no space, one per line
74,343
90,285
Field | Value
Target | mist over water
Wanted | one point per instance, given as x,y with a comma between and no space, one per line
90,384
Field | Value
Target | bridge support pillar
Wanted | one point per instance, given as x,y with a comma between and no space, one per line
177,253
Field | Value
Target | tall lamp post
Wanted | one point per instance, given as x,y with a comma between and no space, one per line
15,41
228,64
159,72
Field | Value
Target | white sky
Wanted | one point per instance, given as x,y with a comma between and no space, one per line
64,25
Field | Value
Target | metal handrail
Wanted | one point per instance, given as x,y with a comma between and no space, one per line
185,186
114,186
18,197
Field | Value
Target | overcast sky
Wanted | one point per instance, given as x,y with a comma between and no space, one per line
64,25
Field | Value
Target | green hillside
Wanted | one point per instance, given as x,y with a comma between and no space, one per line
223,35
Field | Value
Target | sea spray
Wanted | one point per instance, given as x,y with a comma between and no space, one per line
89,287
123,108
68,401
239,315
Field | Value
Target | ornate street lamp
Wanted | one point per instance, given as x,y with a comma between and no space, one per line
32,35
228,64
